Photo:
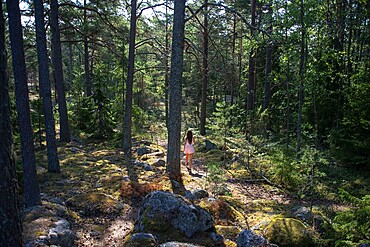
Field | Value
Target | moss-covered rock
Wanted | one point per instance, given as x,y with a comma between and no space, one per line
222,212
163,208
95,203
172,218
48,230
141,239
288,232
229,232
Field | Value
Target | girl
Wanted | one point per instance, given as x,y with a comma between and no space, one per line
189,150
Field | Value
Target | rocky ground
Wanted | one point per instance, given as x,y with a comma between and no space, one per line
96,199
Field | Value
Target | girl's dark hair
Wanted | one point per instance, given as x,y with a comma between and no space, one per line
189,136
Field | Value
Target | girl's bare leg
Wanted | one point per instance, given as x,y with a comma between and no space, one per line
190,161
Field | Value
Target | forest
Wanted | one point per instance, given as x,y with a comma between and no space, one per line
97,98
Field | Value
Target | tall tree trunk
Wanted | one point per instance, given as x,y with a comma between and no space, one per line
31,186
252,69
349,47
267,76
127,142
70,66
65,135
10,224
301,81
86,56
174,120
45,88
267,90
166,78
203,110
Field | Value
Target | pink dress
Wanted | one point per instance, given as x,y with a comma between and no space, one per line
189,148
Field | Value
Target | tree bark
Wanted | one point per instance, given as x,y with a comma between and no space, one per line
86,56
267,76
252,69
301,81
174,120
127,135
167,66
45,88
65,135
203,110
10,224
267,90
30,184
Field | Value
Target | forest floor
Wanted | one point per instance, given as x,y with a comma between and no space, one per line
94,167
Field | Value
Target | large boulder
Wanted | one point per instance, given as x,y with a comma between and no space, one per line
288,232
164,212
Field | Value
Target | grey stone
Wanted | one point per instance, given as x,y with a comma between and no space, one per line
143,150
248,238
166,209
210,145
217,238
159,163
148,167
143,239
200,193
61,234
189,195
302,213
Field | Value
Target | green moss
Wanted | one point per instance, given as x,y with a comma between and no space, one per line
229,243
94,203
229,232
288,232
222,212
40,233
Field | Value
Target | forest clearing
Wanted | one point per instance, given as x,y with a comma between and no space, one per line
101,191
181,123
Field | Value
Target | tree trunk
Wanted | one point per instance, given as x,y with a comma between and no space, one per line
267,90
267,76
252,69
31,186
233,71
70,66
174,120
45,88
10,224
127,142
86,56
301,81
65,135
167,66
349,47
203,109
